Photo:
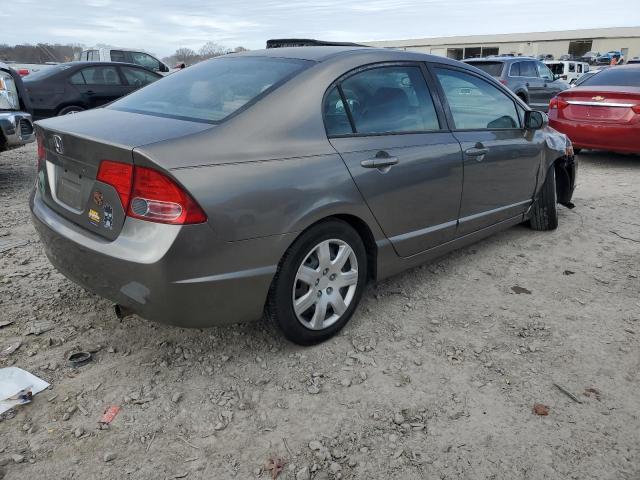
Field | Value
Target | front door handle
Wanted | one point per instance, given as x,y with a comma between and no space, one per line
90,92
380,162
478,152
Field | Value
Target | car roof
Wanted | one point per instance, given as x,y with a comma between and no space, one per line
498,59
325,53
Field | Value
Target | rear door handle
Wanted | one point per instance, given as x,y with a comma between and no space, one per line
90,92
380,162
477,152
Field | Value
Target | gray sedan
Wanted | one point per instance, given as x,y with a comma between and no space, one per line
282,181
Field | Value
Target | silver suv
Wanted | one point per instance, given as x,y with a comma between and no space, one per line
528,78
16,127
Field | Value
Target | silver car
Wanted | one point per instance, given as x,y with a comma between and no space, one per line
283,180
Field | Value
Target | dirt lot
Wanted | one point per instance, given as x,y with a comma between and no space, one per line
435,377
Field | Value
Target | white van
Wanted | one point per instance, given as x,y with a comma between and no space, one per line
126,55
568,69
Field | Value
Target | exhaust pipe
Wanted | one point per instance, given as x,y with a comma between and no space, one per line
122,312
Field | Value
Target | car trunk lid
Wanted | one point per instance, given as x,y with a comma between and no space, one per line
600,105
74,146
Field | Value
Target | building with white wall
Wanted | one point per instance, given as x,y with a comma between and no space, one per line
575,42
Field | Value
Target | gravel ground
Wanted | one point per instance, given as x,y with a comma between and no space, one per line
435,377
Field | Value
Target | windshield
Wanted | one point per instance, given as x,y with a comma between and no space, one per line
45,73
211,91
492,68
556,68
615,77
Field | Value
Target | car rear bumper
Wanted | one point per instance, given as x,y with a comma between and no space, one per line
17,128
179,275
600,136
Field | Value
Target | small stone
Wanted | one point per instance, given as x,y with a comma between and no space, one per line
352,462
398,419
346,382
176,397
220,426
66,416
315,445
26,427
4,461
303,474
393,438
338,453
109,456
17,458
364,450
313,389
334,467
363,376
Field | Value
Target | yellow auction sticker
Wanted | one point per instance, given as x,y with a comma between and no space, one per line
94,216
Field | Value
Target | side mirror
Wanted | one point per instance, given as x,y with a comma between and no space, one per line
164,68
556,77
534,120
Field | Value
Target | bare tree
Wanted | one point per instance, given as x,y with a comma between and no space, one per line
186,55
212,49
240,49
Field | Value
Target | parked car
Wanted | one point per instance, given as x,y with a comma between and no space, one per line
603,112
288,178
568,70
528,78
77,86
25,69
16,128
125,55
633,61
592,71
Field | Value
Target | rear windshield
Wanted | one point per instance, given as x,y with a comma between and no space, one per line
492,68
556,68
615,77
45,72
211,91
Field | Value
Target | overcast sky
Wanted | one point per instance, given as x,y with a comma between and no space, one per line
162,26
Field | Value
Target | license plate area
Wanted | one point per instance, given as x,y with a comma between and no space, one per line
69,189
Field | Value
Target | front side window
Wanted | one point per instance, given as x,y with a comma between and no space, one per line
138,77
145,60
118,56
100,76
211,91
528,69
391,99
476,104
572,67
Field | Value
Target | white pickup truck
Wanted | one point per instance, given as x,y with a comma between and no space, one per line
126,55
16,127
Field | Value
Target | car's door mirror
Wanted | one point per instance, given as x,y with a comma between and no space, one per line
163,68
534,120
556,77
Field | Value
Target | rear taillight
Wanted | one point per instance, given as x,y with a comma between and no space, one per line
23,72
557,103
119,176
502,81
636,109
41,152
150,195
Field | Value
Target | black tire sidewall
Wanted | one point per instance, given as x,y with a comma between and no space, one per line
64,110
280,297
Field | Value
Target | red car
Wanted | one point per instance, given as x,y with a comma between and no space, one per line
603,113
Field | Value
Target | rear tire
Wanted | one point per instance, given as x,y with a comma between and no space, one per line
544,213
577,151
313,294
69,110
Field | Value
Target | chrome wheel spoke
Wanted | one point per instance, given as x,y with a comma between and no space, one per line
339,307
303,303
344,252
324,255
317,321
307,275
346,279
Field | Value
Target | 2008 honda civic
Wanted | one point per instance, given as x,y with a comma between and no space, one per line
282,181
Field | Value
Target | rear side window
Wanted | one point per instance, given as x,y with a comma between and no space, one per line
145,60
211,91
476,104
390,100
336,120
615,77
524,69
492,68
118,56
556,68
97,76
572,67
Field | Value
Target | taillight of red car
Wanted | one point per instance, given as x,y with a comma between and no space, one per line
41,152
557,103
636,109
150,195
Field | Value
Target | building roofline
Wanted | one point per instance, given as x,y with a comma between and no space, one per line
590,33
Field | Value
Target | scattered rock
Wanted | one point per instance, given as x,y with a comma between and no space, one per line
176,397
540,409
346,382
303,474
78,432
518,290
334,467
398,419
315,445
17,458
109,456
313,389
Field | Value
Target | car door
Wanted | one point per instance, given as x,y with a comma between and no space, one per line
534,84
385,124
550,86
136,78
98,85
501,159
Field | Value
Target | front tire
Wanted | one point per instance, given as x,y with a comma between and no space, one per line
69,110
544,213
319,283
